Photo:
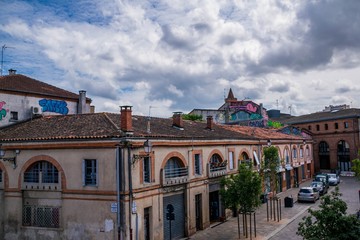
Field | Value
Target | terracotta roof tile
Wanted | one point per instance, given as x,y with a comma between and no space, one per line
24,84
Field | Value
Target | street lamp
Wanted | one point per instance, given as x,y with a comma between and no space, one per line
9,159
147,149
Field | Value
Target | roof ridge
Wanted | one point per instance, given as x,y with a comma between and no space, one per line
111,121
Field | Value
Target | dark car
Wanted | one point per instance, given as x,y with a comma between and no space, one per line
323,178
320,186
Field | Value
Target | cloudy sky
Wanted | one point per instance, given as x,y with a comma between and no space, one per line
168,56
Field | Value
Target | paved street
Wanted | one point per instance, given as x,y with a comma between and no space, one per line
285,228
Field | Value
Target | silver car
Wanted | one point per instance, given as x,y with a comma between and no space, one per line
333,179
308,194
320,187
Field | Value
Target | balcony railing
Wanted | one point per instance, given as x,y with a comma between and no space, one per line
175,176
41,182
216,170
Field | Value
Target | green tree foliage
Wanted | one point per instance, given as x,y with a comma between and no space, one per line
192,117
330,222
356,166
242,191
270,166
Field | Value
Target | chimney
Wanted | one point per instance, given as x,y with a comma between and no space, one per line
177,120
209,122
125,118
82,102
12,71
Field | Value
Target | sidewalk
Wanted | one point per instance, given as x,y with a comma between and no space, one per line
264,228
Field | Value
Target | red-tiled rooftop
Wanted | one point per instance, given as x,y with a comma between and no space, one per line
24,84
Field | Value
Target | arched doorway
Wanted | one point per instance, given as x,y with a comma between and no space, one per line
343,156
324,155
215,206
175,200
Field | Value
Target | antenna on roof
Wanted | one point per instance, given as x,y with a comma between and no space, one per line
290,109
148,129
2,57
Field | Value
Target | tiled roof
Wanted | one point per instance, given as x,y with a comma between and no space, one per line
262,133
107,125
325,116
24,84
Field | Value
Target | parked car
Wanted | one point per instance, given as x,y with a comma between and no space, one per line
322,178
333,179
320,186
308,194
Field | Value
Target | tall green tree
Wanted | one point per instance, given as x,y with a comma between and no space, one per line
242,191
270,166
330,222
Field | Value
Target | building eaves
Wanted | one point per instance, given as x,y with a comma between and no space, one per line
23,84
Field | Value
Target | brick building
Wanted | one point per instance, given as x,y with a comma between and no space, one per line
335,132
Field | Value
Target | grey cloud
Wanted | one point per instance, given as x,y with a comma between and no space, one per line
227,40
202,27
343,89
281,87
174,41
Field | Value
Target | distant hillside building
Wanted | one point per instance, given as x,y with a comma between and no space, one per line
335,132
23,98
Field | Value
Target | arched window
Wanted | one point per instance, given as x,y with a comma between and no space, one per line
175,168
286,154
41,172
216,161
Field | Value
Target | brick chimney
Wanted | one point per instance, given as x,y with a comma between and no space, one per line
177,120
126,118
209,122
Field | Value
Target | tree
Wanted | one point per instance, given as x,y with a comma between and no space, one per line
270,166
356,166
192,117
241,192
330,221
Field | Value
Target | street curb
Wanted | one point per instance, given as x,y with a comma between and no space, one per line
283,226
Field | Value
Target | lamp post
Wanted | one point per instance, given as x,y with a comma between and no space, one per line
9,159
132,210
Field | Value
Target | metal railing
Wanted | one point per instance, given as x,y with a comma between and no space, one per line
216,170
175,176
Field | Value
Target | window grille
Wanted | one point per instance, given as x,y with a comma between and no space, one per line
42,171
90,172
41,216
197,164
147,169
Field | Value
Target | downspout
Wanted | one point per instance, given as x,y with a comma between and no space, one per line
118,190
130,190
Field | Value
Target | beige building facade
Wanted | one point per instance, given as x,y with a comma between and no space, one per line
89,176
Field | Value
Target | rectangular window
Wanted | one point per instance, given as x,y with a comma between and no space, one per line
197,164
231,160
41,216
301,152
309,127
307,151
317,127
1,176
147,169
326,126
147,223
346,125
90,172
294,153
14,116
336,125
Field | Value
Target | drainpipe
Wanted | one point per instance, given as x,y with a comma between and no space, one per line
130,189
118,189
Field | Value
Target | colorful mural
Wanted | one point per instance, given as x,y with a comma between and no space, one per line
55,106
3,111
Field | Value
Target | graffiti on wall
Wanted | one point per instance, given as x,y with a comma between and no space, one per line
239,107
55,106
3,111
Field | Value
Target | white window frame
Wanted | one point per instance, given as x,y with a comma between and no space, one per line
200,164
231,160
